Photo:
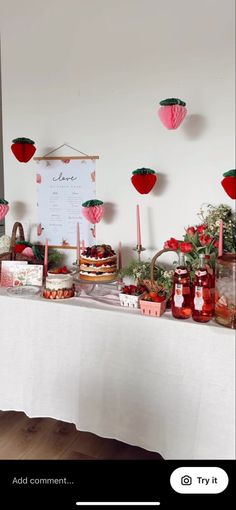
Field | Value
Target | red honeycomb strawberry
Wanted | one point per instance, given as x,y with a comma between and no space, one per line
229,183
23,149
143,180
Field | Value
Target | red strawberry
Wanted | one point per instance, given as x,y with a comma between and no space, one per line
143,180
20,247
159,299
229,183
56,270
53,294
23,149
66,293
59,294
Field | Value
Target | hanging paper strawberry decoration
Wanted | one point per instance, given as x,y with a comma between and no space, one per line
23,149
143,180
93,210
4,208
172,112
229,183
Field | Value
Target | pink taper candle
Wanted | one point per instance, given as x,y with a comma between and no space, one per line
45,263
220,249
139,241
78,244
119,256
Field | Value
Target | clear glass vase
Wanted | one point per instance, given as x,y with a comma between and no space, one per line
225,290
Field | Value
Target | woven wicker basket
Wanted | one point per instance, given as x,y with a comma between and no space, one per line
11,255
151,308
151,284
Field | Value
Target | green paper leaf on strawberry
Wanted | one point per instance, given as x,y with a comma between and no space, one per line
23,149
229,183
143,179
172,101
92,203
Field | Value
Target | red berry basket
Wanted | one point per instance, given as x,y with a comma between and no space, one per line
152,309
129,300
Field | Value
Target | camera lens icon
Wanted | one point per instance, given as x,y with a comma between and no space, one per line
186,480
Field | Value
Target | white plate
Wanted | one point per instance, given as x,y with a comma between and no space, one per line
26,290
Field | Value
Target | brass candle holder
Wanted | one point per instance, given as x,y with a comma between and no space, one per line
139,248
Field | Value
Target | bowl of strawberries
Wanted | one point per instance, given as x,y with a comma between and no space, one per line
153,303
130,295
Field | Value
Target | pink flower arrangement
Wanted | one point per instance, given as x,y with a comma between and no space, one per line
196,240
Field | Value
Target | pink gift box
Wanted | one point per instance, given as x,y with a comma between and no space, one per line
152,309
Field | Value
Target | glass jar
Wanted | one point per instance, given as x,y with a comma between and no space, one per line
225,291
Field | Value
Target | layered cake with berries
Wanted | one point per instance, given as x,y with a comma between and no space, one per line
98,263
59,286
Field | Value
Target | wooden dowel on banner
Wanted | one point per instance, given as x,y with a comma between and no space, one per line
38,158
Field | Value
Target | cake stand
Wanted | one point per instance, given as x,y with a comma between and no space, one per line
96,288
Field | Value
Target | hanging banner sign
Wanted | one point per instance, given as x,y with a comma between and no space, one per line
63,184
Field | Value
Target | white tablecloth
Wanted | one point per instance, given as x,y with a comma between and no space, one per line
158,383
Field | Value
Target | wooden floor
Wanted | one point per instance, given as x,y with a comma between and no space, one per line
44,438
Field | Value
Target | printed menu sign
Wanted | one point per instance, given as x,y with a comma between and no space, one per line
62,186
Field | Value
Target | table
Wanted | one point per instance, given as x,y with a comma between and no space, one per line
158,383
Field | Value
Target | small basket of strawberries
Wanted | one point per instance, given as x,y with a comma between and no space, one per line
130,295
153,303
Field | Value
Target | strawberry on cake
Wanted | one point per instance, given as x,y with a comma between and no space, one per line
98,263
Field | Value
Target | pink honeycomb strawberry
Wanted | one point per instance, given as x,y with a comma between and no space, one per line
93,210
172,112
4,208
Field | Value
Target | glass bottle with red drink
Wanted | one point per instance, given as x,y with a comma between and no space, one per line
181,296
202,302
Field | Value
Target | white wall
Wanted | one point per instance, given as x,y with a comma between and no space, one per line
92,72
